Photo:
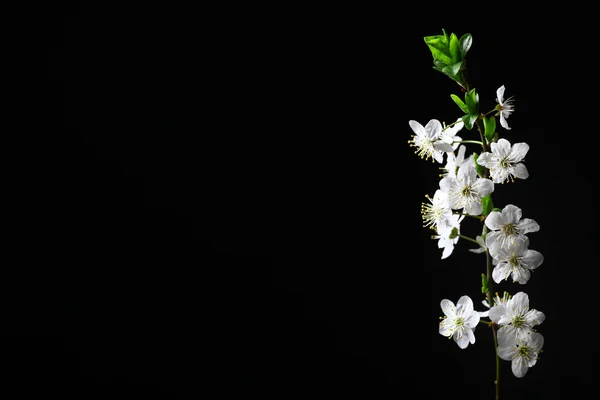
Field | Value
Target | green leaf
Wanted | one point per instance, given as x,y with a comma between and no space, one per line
466,41
452,70
454,48
460,103
469,120
490,127
480,169
472,100
487,203
497,209
484,284
438,46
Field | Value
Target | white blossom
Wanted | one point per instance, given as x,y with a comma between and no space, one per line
504,162
507,226
516,261
454,161
466,190
448,234
449,137
497,301
460,321
426,140
522,353
515,317
506,106
437,212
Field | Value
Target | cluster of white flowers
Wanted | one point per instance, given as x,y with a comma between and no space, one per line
462,190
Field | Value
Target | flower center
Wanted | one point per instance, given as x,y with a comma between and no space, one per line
459,322
504,162
514,260
518,321
510,229
524,351
431,213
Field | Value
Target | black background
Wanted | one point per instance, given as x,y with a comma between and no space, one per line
228,202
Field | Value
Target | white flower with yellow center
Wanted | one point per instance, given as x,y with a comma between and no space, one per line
504,162
448,234
437,212
522,353
426,140
506,106
466,190
516,261
459,321
515,317
507,226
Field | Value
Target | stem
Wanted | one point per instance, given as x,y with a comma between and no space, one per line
470,239
469,141
483,142
454,123
469,215
490,299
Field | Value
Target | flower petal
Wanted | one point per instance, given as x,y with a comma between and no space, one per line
483,186
497,312
520,301
501,148
518,152
501,272
503,121
464,306
475,208
417,128
520,171
443,146
511,214
461,339
495,221
471,336
533,259
536,340
485,159
433,129
534,317
500,94
527,225
521,275
519,367
448,308
447,183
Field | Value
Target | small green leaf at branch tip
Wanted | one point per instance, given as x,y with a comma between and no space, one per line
452,70
454,48
460,103
472,101
489,127
484,283
466,41
469,120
